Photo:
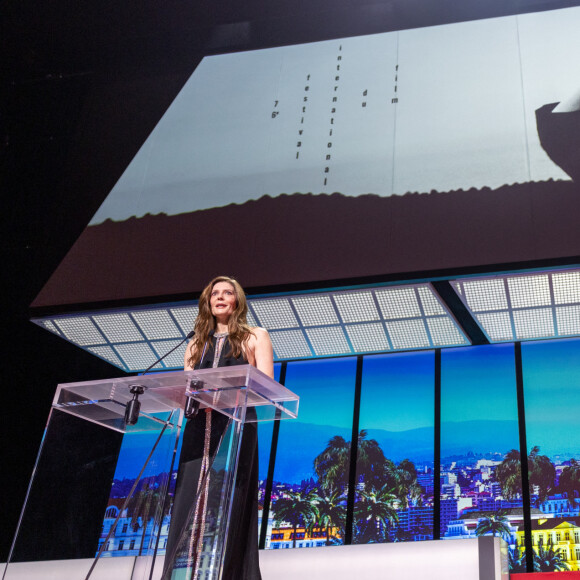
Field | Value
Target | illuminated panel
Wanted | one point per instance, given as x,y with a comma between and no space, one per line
357,307
185,317
156,324
315,310
320,324
274,313
106,353
49,325
498,325
431,305
484,295
175,359
534,323
568,320
251,319
328,340
566,287
289,344
398,303
529,291
80,330
407,334
137,356
118,327
369,337
524,306
443,331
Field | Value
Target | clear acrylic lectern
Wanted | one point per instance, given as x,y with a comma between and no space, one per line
75,466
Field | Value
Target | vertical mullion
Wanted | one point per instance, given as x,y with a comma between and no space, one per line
270,476
353,453
524,458
437,450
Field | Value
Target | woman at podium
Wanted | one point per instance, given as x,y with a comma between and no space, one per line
222,338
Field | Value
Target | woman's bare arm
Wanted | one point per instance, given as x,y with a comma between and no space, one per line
260,346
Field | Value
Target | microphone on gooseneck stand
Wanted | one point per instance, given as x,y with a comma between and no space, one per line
191,405
133,407
189,335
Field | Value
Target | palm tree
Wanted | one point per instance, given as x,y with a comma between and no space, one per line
541,473
517,560
509,475
371,463
331,513
375,470
142,508
298,509
332,465
402,479
402,535
549,560
494,523
386,485
570,481
375,514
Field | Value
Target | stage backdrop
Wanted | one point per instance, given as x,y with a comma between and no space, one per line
430,149
473,485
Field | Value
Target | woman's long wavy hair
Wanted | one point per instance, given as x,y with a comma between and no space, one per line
205,325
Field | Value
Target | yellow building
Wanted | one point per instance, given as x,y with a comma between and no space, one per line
283,537
562,534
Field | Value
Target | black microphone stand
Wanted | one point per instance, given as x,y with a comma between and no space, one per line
134,405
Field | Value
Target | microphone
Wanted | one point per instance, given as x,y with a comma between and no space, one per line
191,405
133,407
189,335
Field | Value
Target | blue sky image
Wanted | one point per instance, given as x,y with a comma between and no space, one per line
397,391
136,448
551,373
397,404
396,409
478,412
326,390
478,400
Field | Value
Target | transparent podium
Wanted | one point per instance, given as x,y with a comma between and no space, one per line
85,506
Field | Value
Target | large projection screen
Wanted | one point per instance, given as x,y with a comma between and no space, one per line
431,149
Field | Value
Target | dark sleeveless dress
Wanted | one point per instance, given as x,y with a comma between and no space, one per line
242,558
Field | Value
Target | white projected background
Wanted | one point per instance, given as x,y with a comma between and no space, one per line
441,108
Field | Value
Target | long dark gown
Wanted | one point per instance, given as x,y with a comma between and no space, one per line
241,559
